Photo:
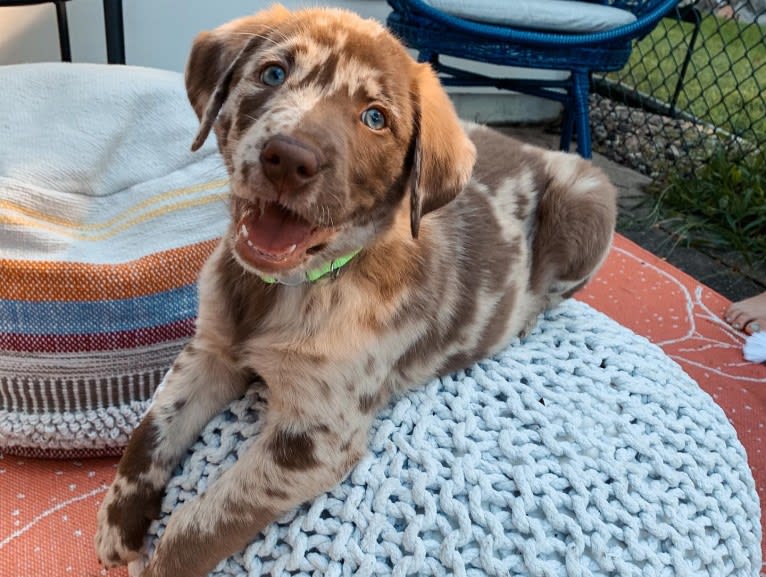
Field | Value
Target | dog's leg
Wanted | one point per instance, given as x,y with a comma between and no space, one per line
198,387
289,463
574,225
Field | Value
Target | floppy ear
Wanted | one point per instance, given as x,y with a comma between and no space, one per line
444,156
214,58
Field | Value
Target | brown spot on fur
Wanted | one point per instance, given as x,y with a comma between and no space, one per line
374,54
178,364
245,169
322,429
134,513
322,75
250,109
522,206
137,458
253,379
224,123
370,367
222,129
456,362
198,552
324,388
275,493
487,258
248,299
315,359
336,297
248,48
485,261
115,558
369,402
369,319
293,451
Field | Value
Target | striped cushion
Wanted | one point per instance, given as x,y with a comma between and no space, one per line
105,222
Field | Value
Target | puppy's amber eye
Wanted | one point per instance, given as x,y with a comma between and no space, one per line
374,118
273,75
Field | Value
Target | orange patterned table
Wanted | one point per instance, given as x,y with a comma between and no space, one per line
48,508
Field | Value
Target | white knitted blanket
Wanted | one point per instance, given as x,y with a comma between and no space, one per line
580,451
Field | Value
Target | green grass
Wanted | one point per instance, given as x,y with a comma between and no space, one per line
721,206
726,80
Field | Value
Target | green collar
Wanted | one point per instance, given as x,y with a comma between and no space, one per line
313,275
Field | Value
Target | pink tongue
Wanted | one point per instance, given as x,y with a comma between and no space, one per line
276,230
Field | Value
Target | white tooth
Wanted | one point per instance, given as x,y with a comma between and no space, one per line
250,244
243,231
291,250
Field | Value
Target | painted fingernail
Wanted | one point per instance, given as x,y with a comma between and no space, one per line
737,326
754,327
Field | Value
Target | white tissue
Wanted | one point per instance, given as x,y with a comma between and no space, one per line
755,347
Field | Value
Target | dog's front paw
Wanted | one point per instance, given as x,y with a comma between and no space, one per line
123,520
136,568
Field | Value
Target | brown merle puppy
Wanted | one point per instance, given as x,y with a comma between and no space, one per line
375,243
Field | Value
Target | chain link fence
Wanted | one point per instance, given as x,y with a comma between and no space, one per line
693,87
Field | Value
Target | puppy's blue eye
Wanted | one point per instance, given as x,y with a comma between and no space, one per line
374,118
273,75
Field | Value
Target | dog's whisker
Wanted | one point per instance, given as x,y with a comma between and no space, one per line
265,37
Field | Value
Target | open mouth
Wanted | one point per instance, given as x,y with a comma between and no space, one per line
272,238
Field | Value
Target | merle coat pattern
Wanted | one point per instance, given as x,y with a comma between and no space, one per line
337,140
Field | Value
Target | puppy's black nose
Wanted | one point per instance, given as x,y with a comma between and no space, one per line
288,163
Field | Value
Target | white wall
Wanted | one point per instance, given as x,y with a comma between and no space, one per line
158,33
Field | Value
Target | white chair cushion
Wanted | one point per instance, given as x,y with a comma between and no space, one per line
556,15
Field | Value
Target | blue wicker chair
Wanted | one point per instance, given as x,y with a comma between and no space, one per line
433,32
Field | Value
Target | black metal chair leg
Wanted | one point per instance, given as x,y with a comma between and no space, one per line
693,16
115,34
63,28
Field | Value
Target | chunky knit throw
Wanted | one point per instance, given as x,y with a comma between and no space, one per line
579,451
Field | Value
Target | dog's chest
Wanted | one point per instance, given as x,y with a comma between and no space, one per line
310,330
